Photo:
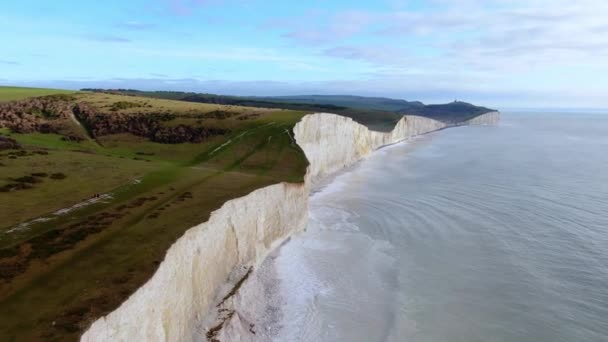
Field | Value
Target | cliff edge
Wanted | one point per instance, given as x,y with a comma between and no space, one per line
190,295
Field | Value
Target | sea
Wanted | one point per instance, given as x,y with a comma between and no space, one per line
474,233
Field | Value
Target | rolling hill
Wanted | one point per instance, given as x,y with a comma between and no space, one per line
95,187
375,112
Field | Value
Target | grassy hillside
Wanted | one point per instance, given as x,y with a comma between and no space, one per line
361,102
20,93
378,113
91,199
373,118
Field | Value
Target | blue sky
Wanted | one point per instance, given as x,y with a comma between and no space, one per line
510,53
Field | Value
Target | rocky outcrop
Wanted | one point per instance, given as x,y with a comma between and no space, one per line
189,298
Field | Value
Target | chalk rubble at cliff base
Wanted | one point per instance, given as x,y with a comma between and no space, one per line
191,294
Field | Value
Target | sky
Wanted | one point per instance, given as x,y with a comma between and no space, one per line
498,53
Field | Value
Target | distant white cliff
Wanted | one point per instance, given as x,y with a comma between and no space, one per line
189,298
491,118
332,142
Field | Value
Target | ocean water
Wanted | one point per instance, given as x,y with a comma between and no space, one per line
468,234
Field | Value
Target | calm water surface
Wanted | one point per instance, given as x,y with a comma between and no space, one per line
469,234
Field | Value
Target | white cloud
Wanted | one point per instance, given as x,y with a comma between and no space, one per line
479,34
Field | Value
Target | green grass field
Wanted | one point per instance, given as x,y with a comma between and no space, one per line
63,271
20,93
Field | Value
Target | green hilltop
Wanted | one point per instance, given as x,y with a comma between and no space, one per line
95,187
375,112
20,93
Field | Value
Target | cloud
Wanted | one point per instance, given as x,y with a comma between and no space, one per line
137,26
465,35
6,62
107,39
158,75
338,27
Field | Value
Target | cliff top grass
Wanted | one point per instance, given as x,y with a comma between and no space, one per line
19,93
377,113
89,215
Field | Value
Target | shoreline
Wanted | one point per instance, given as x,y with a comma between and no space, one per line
189,288
267,316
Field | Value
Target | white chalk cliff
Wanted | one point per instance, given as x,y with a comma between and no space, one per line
332,142
491,118
184,299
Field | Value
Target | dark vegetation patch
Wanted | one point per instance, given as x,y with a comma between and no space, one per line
56,113
247,117
15,260
181,198
76,317
120,105
144,125
7,143
27,182
58,175
72,138
216,114
47,114
15,186
162,116
26,179
23,153
138,202
60,97
20,153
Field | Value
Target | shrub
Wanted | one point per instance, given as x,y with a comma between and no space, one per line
72,138
58,175
26,179
116,106
40,174
60,97
15,186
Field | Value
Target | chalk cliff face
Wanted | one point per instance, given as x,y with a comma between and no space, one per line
189,296
332,142
238,235
491,118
